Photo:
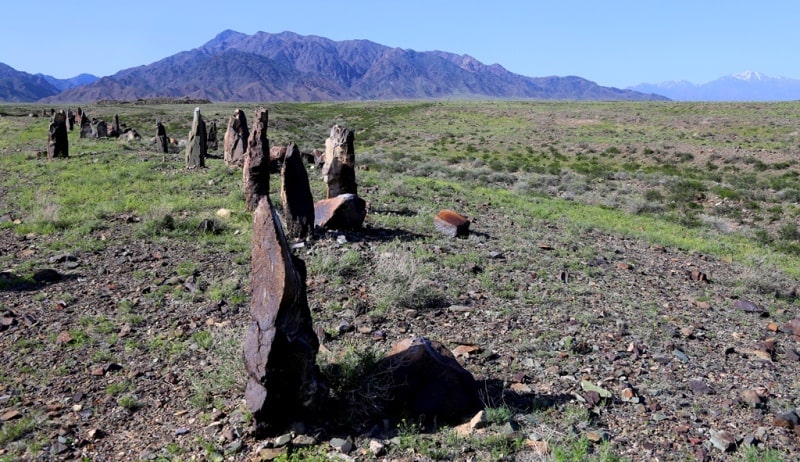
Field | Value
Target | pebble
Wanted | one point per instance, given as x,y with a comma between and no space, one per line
722,440
342,445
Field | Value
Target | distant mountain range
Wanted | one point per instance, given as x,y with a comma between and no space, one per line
20,87
745,86
291,67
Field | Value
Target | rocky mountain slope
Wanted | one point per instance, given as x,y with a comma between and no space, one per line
291,67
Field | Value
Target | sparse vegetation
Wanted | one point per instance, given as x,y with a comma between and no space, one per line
588,224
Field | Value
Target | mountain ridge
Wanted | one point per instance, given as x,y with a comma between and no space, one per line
287,66
743,86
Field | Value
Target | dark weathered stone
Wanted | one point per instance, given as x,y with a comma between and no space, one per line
196,148
57,139
298,202
236,139
280,346
345,211
339,169
451,223
427,381
213,142
100,129
161,137
115,129
256,162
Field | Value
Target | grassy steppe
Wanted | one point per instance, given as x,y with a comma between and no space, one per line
713,182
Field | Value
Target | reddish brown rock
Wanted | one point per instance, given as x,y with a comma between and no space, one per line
427,382
346,211
793,327
280,346
277,153
235,141
451,223
298,203
339,169
256,162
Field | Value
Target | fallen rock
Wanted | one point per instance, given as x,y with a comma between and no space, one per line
451,224
346,211
425,380
47,275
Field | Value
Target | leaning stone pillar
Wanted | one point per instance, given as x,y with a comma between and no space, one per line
298,203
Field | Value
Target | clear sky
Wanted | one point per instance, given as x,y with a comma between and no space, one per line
612,42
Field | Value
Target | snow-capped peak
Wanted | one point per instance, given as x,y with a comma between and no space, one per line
749,75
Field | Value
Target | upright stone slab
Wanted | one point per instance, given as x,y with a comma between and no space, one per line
161,137
213,143
340,158
196,144
70,119
57,139
280,346
100,129
256,162
234,145
298,202
115,129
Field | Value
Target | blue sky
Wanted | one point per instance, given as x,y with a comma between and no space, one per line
612,42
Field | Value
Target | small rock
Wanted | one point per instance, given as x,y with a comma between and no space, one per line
751,397
47,275
539,448
748,306
788,420
589,386
95,434
271,453
595,436
224,213
342,445
722,440
682,357
64,337
376,448
10,415
283,440
700,388
451,224
181,431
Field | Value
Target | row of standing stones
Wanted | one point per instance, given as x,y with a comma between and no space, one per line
420,378
62,122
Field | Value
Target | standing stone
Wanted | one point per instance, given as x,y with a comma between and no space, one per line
196,145
70,119
234,145
340,158
85,124
298,203
256,162
212,136
161,137
101,129
280,346
57,139
115,130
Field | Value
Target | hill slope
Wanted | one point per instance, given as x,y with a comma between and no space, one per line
291,67
18,86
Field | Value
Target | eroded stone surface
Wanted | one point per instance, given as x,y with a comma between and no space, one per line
345,211
196,146
298,203
235,142
57,139
256,162
339,169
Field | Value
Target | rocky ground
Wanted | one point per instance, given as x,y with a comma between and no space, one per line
663,354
